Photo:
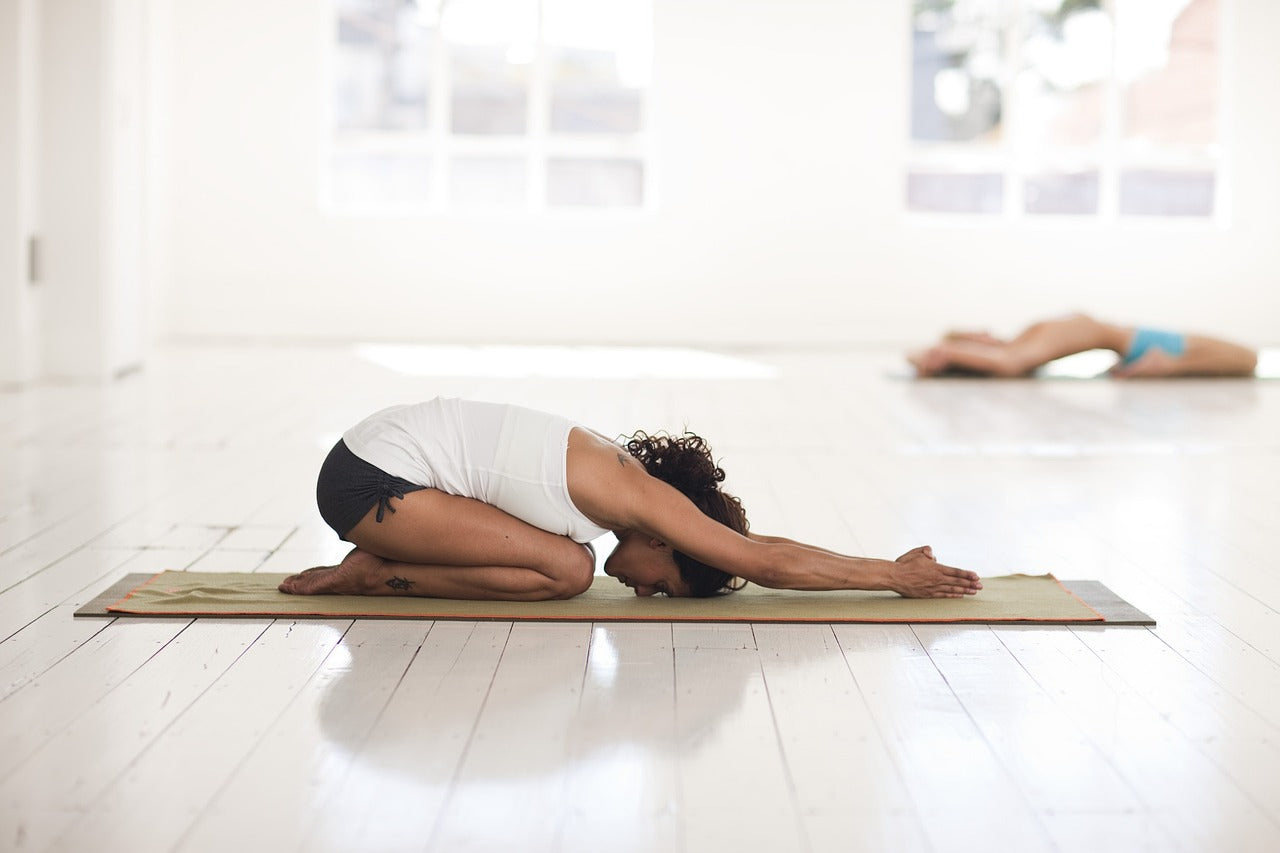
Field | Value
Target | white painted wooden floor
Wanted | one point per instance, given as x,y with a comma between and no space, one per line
214,735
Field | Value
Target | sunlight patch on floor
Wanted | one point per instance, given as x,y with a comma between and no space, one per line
1268,364
566,362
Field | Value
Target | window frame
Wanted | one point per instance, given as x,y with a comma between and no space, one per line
1108,158
536,146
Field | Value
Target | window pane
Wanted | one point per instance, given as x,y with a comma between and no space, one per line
380,179
940,193
587,95
1066,63
1167,58
487,182
958,60
1068,193
1164,193
381,65
595,183
491,46
600,56
490,94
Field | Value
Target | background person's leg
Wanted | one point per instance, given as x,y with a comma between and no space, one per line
1204,356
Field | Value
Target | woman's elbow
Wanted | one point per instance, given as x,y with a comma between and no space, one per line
773,567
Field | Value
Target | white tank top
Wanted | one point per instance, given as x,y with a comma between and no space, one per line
507,456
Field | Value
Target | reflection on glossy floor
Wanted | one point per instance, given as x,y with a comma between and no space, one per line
383,735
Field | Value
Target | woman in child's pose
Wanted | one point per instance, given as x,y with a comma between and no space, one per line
459,499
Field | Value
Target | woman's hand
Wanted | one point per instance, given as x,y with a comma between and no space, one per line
916,574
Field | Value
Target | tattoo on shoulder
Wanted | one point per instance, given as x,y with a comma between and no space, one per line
400,584
623,459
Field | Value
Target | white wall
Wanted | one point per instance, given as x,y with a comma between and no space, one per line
72,174
19,309
781,128
91,187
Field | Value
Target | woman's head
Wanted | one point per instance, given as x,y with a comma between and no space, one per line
685,462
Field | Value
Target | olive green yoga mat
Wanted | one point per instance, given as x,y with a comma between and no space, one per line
1036,599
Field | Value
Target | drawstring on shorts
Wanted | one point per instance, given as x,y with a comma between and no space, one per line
387,489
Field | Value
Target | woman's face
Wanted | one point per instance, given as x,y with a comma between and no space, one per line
646,565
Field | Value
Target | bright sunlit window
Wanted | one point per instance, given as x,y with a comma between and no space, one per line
455,105
1102,109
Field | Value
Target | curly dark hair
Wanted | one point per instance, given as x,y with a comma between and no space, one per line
685,462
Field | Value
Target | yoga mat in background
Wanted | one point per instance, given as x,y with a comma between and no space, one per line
1094,364
1038,599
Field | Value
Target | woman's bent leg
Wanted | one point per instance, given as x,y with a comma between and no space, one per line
1207,356
362,573
446,546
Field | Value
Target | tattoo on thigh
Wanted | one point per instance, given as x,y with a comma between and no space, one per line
400,584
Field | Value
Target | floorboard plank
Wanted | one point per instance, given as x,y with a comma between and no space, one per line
191,760
734,787
622,768
74,766
966,798
516,761
846,785
41,708
312,743
395,789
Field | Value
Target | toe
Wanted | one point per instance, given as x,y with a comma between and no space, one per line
304,583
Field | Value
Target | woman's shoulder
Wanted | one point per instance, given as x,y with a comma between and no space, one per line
602,477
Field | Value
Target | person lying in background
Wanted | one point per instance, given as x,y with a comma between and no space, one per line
1143,352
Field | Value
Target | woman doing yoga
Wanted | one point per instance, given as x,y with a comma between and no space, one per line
459,499
1143,352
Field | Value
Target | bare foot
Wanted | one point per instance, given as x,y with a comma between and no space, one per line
355,575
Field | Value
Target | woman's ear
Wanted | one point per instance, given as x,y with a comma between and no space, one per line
655,542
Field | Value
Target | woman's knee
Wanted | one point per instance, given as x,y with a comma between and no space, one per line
573,572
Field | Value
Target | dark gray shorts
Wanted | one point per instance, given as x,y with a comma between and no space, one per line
348,487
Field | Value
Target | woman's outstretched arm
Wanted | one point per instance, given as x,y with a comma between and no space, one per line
632,499
782,540
616,492
787,564
916,574
915,560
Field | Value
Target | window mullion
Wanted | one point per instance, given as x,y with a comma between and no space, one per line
441,132
1112,122
1221,161
1011,141
538,123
